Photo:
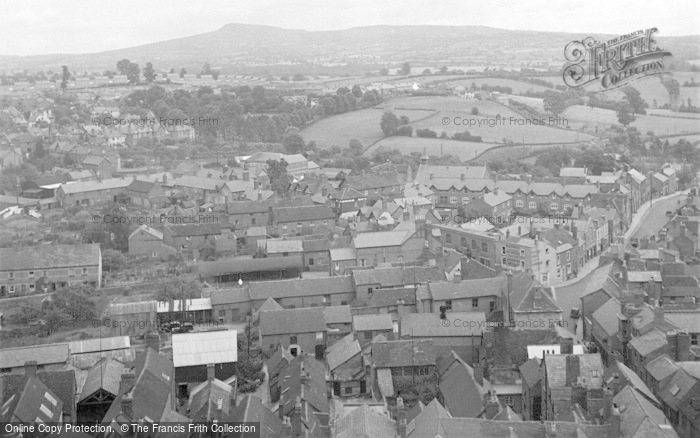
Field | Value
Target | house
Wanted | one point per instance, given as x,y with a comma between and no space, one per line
372,249
38,269
246,214
374,186
368,280
532,390
298,221
193,352
367,327
642,417
191,236
396,359
533,308
604,330
462,388
146,194
480,295
643,349
304,399
596,291
61,383
338,321
570,379
317,255
31,402
460,332
660,185
346,367
659,371
252,409
10,157
395,302
100,166
283,247
148,241
365,421
497,206
299,330
230,305
92,193
213,399
679,398
342,259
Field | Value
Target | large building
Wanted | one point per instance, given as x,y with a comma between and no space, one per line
45,268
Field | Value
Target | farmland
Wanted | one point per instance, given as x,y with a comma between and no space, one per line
362,125
432,146
659,125
517,86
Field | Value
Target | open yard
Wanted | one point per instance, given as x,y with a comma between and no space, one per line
432,146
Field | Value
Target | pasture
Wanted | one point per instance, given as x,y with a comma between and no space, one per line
432,146
659,125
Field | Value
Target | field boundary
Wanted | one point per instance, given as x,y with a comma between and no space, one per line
520,145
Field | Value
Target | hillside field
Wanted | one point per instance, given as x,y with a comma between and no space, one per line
432,146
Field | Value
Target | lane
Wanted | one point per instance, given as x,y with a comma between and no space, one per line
656,217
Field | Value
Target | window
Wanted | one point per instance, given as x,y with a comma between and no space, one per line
519,203
448,304
522,253
31,274
522,263
292,339
311,223
503,250
475,303
368,336
453,199
284,227
508,400
12,275
545,278
546,264
272,346
363,262
44,273
298,224
408,371
558,272
504,261
693,339
348,390
423,371
396,371
344,303
154,254
473,244
252,221
464,241
465,199
532,205
448,238
370,291
311,261
71,272
546,250
32,286
84,271
187,238
12,289
554,206
484,247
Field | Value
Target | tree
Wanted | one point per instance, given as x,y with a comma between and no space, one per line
625,117
554,103
76,302
179,289
356,147
113,260
357,91
293,143
389,123
149,73
53,320
65,77
403,120
443,69
183,72
133,73
475,111
405,68
123,66
384,72
637,104
112,231
427,72
279,178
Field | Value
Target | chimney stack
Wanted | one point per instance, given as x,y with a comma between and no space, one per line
615,422
30,368
492,406
401,417
127,404
567,346
296,418
479,374
246,175
462,177
153,341
127,382
211,372
506,298
681,232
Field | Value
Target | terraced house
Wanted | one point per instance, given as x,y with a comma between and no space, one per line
45,268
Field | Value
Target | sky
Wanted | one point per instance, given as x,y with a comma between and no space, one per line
39,27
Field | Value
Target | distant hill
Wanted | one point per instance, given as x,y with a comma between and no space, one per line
236,47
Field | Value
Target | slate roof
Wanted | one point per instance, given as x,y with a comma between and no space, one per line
99,344
640,418
447,290
380,239
246,207
300,287
430,325
49,256
379,322
313,391
93,186
601,280
689,321
337,314
606,317
365,422
202,348
341,254
245,265
388,354
60,383
106,374
206,398
648,342
392,277
184,230
342,351
316,245
661,367
302,214
252,409
269,305
292,321
556,369
195,182
463,395
42,354
530,372
32,403
150,230
140,186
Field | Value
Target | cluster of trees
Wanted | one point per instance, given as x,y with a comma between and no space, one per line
466,136
130,69
68,303
556,102
390,124
691,83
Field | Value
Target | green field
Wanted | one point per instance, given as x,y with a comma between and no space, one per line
659,125
517,86
362,125
432,146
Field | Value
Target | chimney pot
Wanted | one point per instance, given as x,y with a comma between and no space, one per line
127,404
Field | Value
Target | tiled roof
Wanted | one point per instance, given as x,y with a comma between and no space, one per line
340,254
463,395
245,265
556,369
105,375
388,277
447,290
689,321
93,186
292,321
302,214
365,422
284,246
49,256
252,409
150,230
380,239
42,354
640,418
340,352
606,317
270,304
388,354
337,314
530,372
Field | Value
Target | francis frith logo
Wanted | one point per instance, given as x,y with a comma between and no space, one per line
613,63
